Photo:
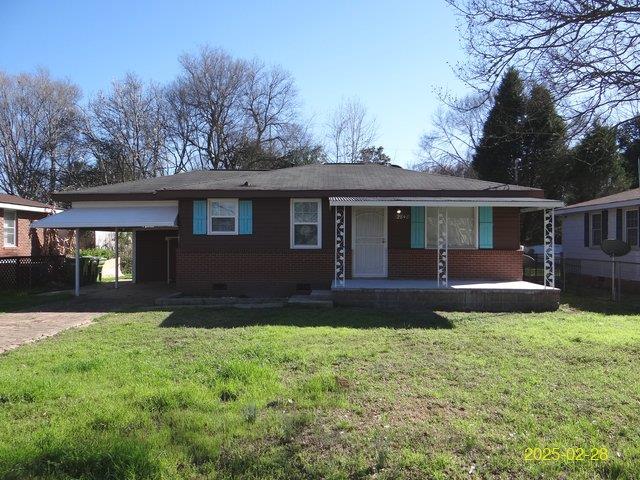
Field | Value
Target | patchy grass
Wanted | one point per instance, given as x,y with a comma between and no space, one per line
344,393
13,301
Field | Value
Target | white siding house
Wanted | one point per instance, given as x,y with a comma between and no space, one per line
586,224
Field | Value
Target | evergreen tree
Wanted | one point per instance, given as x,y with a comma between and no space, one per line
597,167
545,158
500,149
629,143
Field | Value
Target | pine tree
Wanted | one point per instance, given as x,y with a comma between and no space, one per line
545,158
629,142
597,166
500,149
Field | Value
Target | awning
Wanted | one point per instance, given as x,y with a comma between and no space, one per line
520,202
112,217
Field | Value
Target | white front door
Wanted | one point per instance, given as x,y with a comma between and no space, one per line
369,234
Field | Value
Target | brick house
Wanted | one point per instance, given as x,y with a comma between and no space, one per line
274,233
18,238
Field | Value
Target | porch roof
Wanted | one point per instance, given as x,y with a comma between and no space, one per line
112,217
521,202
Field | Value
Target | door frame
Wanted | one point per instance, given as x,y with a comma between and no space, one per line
385,253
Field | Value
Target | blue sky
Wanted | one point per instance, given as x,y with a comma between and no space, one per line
389,54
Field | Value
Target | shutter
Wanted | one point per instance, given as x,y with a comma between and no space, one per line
245,217
586,229
199,217
605,224
417,227
619,224
485,227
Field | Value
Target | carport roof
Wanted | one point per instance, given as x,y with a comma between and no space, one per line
112,217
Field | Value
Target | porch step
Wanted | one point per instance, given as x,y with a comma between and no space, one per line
321,295
310,301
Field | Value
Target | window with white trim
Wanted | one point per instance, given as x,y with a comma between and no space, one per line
596,229
9,228
223,216
306,223
461,227
631,227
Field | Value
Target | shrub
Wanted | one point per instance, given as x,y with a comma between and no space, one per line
97,252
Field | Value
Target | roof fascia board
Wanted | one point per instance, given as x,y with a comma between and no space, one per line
598,206
29,208
125,203
448,202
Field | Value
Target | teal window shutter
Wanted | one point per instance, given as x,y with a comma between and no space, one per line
199,217
417,227
485,227
245,217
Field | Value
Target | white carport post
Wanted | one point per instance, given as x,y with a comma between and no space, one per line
77,269
117,258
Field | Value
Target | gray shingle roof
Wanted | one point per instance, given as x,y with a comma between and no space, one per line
633,194
321,177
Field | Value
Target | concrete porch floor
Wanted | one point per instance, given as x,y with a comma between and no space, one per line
428,284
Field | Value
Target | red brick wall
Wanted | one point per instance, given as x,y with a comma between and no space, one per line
28,241
263,263
480,264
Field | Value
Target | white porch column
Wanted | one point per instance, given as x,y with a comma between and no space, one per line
443,248
117,258
133,256
340,247
549,248
77,269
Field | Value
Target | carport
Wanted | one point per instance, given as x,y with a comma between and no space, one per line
113,216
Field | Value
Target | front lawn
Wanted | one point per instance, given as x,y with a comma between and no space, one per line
344,393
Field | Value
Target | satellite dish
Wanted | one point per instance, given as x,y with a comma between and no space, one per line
615,248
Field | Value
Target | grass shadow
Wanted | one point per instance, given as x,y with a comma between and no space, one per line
303,317
598,302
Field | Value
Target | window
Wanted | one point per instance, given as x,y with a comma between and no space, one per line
306,227
9,228
631,227
461,227
223,216
596,229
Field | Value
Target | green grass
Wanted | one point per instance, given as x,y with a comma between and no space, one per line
13,301
344,393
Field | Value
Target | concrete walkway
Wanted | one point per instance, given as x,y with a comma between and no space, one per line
18,328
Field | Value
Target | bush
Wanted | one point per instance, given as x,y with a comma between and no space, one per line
97,252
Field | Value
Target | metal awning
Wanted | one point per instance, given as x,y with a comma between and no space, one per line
112,217
520,202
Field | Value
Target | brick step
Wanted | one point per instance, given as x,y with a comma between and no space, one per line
308,300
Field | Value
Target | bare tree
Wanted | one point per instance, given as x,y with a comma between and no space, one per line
586,51
126,130
349,131
456,131
39,120
229,113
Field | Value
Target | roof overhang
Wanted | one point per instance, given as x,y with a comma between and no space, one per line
520,202
599,206
28,208
108,217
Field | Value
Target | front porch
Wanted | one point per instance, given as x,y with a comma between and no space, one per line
466,295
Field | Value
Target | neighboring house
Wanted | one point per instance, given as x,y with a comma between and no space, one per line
586,224
18,239
302,228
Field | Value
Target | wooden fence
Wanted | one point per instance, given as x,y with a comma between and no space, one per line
26,273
